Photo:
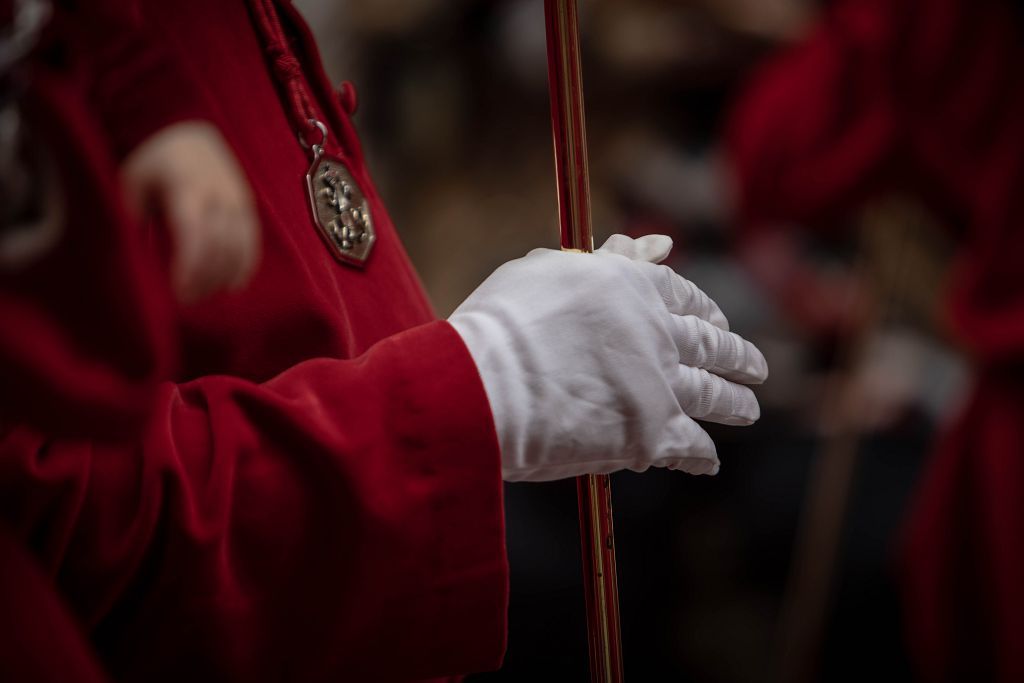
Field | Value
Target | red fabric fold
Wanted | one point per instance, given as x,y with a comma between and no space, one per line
33,614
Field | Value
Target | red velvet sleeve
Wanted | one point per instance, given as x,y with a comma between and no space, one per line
342,521
816,129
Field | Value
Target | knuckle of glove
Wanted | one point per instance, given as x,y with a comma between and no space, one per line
697,343
704,345
683,297
705,396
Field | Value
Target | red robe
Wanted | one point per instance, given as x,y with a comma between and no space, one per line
925,94
317,492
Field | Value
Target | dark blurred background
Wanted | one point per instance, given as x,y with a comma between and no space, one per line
781,568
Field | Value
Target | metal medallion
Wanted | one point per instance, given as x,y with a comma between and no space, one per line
340,209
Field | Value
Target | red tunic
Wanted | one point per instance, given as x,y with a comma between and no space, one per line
317,494
927,94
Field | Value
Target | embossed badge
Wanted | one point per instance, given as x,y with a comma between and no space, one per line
340,209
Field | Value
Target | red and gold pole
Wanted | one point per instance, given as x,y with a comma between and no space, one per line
568,126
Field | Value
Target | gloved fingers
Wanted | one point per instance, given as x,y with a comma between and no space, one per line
708,397
681,296
703,345
687,447
650,248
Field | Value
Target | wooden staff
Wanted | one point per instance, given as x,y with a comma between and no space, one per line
568,128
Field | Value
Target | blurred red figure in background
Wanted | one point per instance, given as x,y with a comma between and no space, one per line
927,97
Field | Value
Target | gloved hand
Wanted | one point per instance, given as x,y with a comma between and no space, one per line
600,362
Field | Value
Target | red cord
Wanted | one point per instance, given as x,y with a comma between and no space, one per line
287,69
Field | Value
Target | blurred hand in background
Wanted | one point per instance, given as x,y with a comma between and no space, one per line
187,175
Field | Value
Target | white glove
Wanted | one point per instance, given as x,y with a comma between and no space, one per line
594,363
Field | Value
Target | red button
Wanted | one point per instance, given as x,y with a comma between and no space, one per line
348,98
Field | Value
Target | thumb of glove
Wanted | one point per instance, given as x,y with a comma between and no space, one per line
650,248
